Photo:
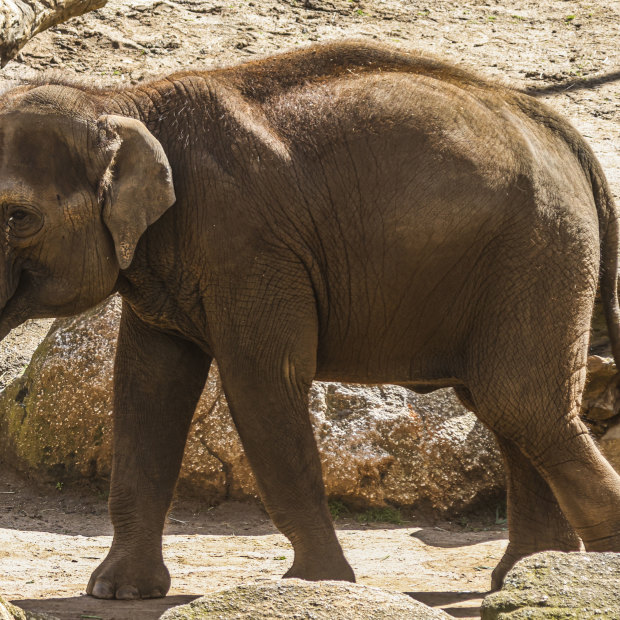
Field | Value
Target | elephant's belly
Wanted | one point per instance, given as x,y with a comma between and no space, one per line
417,372
419,346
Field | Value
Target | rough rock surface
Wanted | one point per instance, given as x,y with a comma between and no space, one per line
378,444
10,612
555,585
327,600
610,445
601,402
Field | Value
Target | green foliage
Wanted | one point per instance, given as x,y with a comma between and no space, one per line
337,509
501,514
569,18
380,515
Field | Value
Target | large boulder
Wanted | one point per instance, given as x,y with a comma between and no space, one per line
293,598
379,445
11,612
552,585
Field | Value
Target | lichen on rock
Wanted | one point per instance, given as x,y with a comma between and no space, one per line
294,598
555,585
11,612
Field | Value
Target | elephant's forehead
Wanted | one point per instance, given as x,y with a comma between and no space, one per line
36,157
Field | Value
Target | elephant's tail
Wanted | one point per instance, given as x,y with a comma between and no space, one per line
610,249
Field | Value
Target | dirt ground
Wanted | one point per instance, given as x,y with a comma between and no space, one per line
567,53
52,539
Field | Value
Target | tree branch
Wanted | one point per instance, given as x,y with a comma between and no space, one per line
20,20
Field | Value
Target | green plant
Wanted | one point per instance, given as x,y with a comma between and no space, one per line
380,515
337,509
569,18
501,517
59,486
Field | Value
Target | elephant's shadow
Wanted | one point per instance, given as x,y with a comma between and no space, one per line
89,607
435,536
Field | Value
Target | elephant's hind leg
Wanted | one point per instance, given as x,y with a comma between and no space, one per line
535,520
530,398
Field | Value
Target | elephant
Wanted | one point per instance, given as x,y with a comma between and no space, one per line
343,212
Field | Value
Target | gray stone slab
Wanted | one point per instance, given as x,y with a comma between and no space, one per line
558,586
294,599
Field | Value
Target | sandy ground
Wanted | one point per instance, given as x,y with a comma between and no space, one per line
567,53
52,539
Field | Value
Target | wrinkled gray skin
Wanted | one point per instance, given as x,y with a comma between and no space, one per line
346,213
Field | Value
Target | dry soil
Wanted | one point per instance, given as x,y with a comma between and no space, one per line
51,539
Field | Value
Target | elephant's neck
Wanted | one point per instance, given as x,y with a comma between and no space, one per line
168,107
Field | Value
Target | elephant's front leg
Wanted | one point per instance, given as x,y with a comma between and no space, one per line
267,365
158,380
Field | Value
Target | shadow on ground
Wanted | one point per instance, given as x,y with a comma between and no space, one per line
81,607
438,537
445,600
574,84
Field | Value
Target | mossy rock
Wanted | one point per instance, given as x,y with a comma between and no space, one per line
558,586
11,612
50,423
293,598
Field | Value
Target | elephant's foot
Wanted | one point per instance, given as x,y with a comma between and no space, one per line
509,559
321,568
514,553
129,576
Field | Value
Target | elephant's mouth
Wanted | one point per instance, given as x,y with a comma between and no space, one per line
15,310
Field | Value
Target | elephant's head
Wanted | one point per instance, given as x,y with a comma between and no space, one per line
77,190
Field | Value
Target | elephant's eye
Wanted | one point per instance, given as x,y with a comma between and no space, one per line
24,222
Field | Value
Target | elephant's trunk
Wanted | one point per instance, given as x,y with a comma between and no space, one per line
13,307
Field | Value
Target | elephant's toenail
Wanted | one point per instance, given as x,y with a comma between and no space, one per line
127,593
102,589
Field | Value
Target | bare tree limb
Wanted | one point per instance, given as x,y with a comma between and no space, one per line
20,20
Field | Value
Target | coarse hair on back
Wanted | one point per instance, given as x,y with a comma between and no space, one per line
287,68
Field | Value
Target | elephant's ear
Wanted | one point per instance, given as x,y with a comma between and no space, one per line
136,187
